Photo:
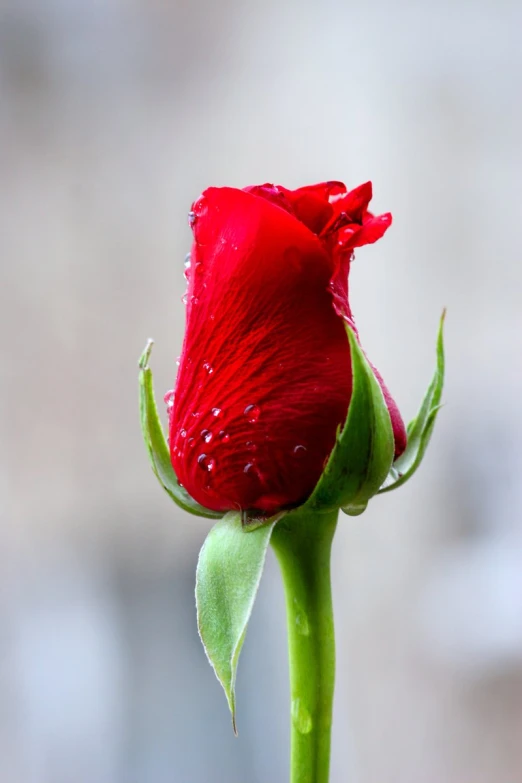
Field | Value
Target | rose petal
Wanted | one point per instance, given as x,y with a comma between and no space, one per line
263,345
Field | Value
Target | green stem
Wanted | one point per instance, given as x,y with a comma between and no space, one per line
302,544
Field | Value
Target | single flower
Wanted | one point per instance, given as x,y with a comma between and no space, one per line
264,378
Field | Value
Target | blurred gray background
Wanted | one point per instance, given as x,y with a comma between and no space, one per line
114,115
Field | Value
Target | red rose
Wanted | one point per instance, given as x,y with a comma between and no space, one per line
264,378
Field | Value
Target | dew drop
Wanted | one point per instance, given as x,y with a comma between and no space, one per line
206,435
195,414
186,266
208,368
191,442
168,399
301,625
299,450
223,436
216,412
184,299
249,468
252,413
354,511
191,218
301,718
251,446
301,621
206,463
200,207
194,300
183,433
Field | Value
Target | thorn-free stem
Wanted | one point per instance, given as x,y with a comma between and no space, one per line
302,543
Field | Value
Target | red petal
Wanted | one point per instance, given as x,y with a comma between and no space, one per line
373,228
399,430
264,377
355,203
326,191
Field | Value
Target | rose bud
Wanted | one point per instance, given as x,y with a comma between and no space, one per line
264,380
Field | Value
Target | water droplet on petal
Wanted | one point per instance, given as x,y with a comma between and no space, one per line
178,360
206,463
251,446
183,433
168,399
200,207
206,435
184,299
249,468
191,442
186,266
194,300
223,436
191,218
208,368
216,412
252,413
299,450
195,414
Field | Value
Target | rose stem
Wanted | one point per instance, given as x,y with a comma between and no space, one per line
302,546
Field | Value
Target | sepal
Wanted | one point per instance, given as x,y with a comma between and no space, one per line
156,443
421,428
363,452
229,570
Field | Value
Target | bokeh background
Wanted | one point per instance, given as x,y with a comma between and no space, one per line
114,115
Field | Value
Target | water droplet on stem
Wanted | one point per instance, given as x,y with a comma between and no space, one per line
301,718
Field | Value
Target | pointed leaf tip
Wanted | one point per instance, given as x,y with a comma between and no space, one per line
228,573
145,356
156,443
421,428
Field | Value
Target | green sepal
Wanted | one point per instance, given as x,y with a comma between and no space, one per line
156,443
229,570
420,429
363,452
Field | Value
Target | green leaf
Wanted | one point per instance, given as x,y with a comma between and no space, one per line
420,429
229,570
156,443
363,452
